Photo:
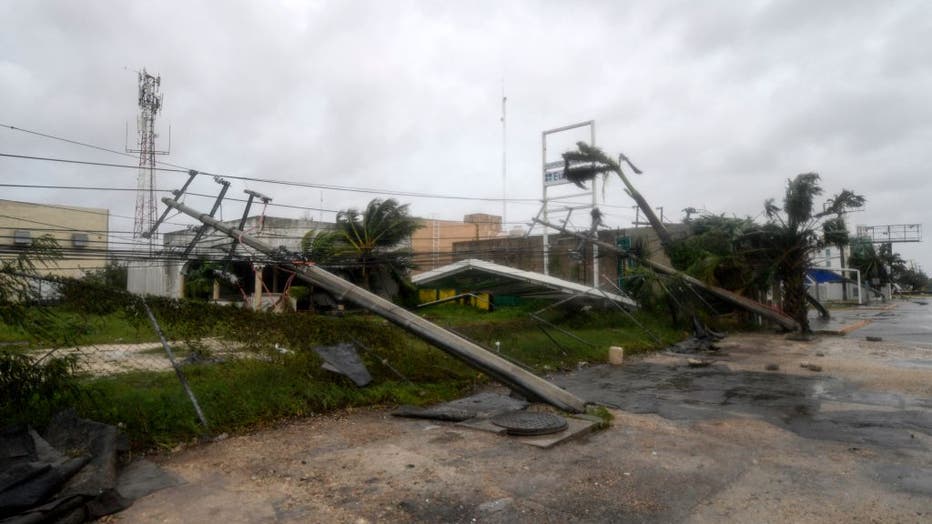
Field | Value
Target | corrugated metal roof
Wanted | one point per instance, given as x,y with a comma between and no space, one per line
531,280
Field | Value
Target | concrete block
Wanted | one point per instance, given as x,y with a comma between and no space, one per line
616,355
576,428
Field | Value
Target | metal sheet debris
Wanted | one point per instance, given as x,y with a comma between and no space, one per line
343,359
481,405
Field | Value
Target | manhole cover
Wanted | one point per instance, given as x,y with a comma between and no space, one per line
530,423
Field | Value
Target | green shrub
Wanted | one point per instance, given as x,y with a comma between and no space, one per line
33,389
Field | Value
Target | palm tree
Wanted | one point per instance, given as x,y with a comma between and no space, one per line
791,235
587,162
367,246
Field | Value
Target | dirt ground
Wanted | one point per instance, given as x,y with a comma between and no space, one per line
733,442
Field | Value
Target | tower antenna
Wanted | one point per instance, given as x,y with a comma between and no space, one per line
150,104
504,158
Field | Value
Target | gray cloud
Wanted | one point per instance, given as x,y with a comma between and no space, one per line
719,102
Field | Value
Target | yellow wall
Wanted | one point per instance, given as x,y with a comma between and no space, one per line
481,300
61,223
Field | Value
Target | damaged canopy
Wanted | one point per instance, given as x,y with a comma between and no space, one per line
480,275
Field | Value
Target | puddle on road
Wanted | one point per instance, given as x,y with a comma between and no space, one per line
913,363
792,402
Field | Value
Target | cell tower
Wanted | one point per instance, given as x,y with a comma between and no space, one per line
150,103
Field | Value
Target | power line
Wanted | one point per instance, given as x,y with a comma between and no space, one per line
180,168
175,168
331,187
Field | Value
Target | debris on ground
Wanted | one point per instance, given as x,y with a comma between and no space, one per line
72,473
697,363
616,355
873,339
772,367
810,366
702,341
344,360
434,413
481,405
503,415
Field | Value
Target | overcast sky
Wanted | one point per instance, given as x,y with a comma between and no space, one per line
717,102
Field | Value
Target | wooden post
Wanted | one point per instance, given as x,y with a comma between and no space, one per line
257,287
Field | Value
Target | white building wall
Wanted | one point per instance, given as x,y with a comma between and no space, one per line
155,278
164,279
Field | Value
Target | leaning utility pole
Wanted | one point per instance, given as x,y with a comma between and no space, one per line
498,368
150,103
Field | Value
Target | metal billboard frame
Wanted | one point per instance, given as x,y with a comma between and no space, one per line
547,199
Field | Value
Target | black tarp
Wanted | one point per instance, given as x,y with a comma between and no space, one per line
72,473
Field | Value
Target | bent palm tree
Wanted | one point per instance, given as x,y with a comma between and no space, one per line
587,162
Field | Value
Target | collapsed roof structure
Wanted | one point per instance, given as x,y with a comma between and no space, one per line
480,275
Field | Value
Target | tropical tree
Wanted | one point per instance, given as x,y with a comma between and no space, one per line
20,289
792,233
588,162
712,252
913,279
866,259
368,246
34,385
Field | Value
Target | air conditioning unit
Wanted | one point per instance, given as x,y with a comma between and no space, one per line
22,237
79,240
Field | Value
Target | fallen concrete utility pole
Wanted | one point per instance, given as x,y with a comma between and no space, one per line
525,382
746,303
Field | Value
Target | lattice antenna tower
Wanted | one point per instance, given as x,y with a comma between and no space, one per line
150,104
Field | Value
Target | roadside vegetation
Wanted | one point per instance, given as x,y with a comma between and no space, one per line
269,371
274,374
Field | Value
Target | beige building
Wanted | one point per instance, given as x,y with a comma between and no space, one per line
80,232
433,243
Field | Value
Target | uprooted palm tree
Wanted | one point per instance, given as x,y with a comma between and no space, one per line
368,246
785,244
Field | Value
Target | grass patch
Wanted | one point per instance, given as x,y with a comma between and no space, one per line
115,327
544,348
267,386
240,395
602,413
459,313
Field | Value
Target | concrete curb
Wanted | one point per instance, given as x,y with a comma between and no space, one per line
844,330
852,327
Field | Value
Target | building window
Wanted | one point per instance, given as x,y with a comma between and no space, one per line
22,237
79,240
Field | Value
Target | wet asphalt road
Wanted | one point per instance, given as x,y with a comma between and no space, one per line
792,402
910,321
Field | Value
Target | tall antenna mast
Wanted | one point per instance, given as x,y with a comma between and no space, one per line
504,159
150,104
